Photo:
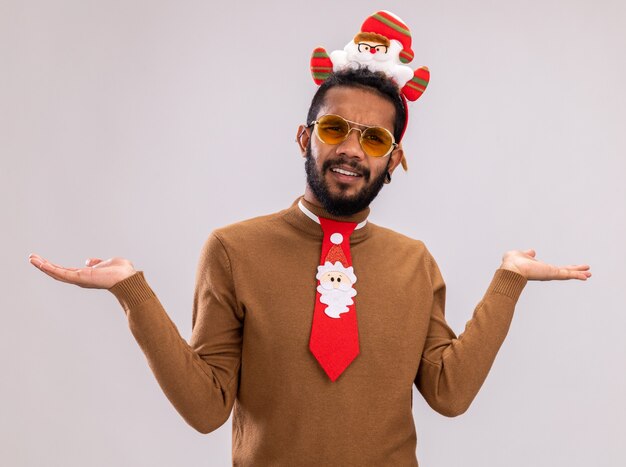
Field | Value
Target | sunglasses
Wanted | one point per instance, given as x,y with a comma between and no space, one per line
375,141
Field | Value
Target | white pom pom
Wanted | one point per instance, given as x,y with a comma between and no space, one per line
336,238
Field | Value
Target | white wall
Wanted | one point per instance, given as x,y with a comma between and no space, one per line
135,128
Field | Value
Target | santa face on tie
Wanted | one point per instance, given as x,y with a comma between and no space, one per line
335,287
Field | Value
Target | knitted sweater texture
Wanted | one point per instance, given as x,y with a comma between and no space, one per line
248,353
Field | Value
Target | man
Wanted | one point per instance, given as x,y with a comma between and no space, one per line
261,288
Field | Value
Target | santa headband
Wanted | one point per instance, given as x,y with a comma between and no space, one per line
382,44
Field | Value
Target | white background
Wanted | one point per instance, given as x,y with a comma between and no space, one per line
134,128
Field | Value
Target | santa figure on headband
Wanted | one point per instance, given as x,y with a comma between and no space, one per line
383,44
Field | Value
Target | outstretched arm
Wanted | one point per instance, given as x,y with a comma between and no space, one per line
200,379
452,369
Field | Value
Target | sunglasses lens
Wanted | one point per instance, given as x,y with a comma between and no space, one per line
376,141
332,129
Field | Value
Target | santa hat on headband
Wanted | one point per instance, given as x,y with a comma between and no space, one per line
390,26
383,44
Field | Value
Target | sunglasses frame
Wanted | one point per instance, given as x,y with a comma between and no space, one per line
393,146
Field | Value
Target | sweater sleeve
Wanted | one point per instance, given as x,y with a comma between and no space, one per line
452,369
200,378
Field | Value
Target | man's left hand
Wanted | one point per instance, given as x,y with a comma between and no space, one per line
524,263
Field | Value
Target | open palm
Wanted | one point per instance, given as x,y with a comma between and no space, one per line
525,263
97,274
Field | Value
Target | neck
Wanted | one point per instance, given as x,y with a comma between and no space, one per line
318,218
312,200
313,204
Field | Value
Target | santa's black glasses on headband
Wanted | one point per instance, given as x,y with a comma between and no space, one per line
375,141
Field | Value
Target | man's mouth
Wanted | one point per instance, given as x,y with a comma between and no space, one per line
345,172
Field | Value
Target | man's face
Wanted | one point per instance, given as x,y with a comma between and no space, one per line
341,177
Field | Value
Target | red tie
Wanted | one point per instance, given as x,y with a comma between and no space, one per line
334,334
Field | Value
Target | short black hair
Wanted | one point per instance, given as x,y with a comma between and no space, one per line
362,77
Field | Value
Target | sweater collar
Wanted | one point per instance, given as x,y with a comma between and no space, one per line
302,220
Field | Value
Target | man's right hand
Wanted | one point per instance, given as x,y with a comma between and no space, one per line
97,274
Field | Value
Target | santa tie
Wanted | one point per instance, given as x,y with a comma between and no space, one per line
334,334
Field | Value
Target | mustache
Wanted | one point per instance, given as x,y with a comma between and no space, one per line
342,160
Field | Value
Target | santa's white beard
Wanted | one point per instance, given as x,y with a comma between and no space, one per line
337,300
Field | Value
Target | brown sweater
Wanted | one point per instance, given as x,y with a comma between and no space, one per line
253,305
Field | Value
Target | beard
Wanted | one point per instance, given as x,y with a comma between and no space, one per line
342,204
337,301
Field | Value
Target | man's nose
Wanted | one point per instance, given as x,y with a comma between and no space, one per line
373,50
351,146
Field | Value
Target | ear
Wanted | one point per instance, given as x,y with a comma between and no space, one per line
397,156
302,138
